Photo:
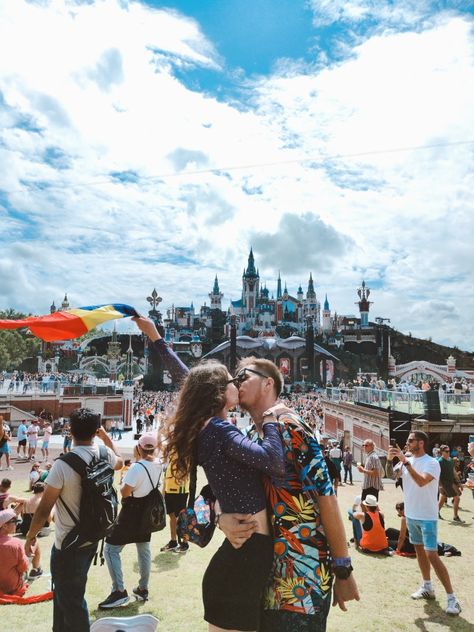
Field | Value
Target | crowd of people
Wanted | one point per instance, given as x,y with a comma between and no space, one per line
269,575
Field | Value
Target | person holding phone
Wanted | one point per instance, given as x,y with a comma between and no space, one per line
420,474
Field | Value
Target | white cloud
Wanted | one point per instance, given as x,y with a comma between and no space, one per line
94,93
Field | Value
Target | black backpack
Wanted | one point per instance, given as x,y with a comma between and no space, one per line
99,505
153,516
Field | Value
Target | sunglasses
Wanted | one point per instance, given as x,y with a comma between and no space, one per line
244,374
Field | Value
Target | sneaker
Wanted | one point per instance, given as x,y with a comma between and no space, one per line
171,546
453,607
458,519
140,593
10,468
423,593
35,572
115,599
181,548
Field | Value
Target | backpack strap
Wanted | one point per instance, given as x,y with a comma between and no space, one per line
192,483
149,477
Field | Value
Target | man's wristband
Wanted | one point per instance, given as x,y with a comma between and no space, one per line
341,561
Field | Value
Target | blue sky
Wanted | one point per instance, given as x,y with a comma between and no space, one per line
150,144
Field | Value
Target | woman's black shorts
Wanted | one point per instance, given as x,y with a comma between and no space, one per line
175,502
233,583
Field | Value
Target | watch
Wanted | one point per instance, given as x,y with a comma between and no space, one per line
342,572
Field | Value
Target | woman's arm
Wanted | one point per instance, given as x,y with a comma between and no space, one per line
268,457
172,363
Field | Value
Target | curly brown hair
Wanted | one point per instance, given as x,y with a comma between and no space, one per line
202,396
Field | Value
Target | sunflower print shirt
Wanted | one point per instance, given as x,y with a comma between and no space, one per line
302,564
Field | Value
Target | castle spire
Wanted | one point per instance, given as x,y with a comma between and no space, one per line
215,289
326,304
310,294
279,286
251,271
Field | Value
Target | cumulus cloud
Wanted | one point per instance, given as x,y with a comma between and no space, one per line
301,243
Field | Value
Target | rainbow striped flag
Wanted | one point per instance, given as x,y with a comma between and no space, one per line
71,323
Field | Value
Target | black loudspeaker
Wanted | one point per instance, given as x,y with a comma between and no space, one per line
431,405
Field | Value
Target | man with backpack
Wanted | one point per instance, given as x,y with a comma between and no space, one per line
80,486
139,492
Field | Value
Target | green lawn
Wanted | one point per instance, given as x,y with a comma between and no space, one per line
385,584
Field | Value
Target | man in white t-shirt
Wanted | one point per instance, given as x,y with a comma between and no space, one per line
48,431
32,434
142,477
420,475
69,568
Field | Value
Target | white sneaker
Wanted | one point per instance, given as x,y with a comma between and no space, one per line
423,593
453,607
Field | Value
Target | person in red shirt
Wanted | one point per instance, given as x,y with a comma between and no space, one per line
13,561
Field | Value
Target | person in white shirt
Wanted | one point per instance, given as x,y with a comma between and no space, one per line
69,567
142,477
420,475
48,431
32,434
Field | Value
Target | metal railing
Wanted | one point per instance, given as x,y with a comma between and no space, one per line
409,402
10,389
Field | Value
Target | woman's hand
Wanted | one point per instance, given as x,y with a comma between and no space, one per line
147,326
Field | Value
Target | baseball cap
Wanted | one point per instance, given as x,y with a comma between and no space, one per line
6,515
148,441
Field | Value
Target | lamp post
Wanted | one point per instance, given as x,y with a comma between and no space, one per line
154,375
233,345
310,347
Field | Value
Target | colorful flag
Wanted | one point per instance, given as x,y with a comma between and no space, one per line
71,323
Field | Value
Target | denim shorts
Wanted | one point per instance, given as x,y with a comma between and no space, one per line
423,532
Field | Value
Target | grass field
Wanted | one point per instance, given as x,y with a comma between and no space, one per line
385,583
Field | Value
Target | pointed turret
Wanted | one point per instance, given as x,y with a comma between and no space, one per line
216,295
310,294
300,294
52,309
279,286
326,304
65,303
251,271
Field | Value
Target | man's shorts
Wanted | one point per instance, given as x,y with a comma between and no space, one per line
423,532
45,445
22,442
32,443
175,502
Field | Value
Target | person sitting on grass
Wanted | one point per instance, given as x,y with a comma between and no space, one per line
6,499
34,475
29,509
373,538
398,539
13,561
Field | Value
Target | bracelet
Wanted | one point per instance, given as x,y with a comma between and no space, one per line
341,561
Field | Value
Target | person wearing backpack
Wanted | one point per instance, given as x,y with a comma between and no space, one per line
139,484
78,525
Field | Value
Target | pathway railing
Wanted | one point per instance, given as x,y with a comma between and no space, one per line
409,402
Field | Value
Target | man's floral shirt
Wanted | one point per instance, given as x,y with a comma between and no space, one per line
302,563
